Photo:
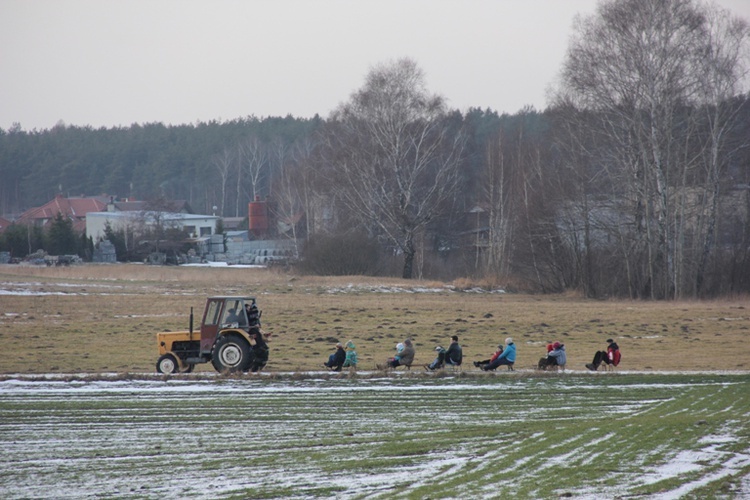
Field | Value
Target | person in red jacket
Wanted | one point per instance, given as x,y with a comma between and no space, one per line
485,362
610,357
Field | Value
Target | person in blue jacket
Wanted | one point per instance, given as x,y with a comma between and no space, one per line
555,357
350,361
508,356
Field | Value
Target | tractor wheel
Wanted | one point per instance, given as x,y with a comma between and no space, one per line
231,353
167,364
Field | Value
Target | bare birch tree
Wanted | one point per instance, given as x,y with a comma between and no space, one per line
725,71
287,203
253,161
393,159
640,67
223,162
306,180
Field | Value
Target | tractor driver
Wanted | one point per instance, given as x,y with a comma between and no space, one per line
232,316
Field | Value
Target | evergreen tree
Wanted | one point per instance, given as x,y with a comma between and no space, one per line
60,238
117,238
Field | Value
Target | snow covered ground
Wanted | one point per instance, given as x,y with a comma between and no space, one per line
278,437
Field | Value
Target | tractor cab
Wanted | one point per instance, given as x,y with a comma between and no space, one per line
224,313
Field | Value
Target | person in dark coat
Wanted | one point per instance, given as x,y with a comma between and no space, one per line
405,357
336,360
253,314
259,350
454,355
232,316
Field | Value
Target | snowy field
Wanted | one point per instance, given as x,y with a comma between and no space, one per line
649,436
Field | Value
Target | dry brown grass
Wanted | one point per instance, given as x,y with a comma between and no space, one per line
103,318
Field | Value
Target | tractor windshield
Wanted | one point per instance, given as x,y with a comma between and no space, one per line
234,312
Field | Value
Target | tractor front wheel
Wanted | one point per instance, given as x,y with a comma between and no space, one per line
167,364
231,353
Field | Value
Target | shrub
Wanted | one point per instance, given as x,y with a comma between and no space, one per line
340,255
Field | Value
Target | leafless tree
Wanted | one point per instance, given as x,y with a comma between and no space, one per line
725,71
223,162
393,159
253,156
287,202
497,195
154,220
307,181
641,67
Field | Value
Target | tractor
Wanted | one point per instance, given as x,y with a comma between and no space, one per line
227,339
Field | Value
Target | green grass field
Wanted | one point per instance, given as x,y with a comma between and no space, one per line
503,436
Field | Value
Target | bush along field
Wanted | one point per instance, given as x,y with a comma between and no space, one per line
513,435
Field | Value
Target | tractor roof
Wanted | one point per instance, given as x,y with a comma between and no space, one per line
231,297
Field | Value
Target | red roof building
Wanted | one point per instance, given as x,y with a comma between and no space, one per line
74,209
4,223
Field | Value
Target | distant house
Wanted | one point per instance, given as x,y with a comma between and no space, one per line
128,205
234,223
194,225
77,209
74,209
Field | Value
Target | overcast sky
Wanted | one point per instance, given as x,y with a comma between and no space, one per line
114,63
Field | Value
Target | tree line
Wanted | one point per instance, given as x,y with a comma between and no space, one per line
633,182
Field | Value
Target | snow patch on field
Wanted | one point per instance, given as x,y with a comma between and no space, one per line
224,265
358,288
38,289
125,438
726,463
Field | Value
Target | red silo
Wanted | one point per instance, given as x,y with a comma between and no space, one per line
257,215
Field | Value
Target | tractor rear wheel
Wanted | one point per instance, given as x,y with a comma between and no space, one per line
231,353
167,364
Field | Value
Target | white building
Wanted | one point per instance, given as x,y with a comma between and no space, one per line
195,225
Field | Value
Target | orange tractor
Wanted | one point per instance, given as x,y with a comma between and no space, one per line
230,338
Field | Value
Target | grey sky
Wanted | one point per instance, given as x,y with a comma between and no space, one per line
110,63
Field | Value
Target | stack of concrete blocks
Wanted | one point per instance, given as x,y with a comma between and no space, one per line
259,252
105,252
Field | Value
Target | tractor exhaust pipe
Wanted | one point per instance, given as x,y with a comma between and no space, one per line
191,323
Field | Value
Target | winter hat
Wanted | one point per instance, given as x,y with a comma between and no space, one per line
508,341
556,345
350,345
439,348
609,341
399,347
407,342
